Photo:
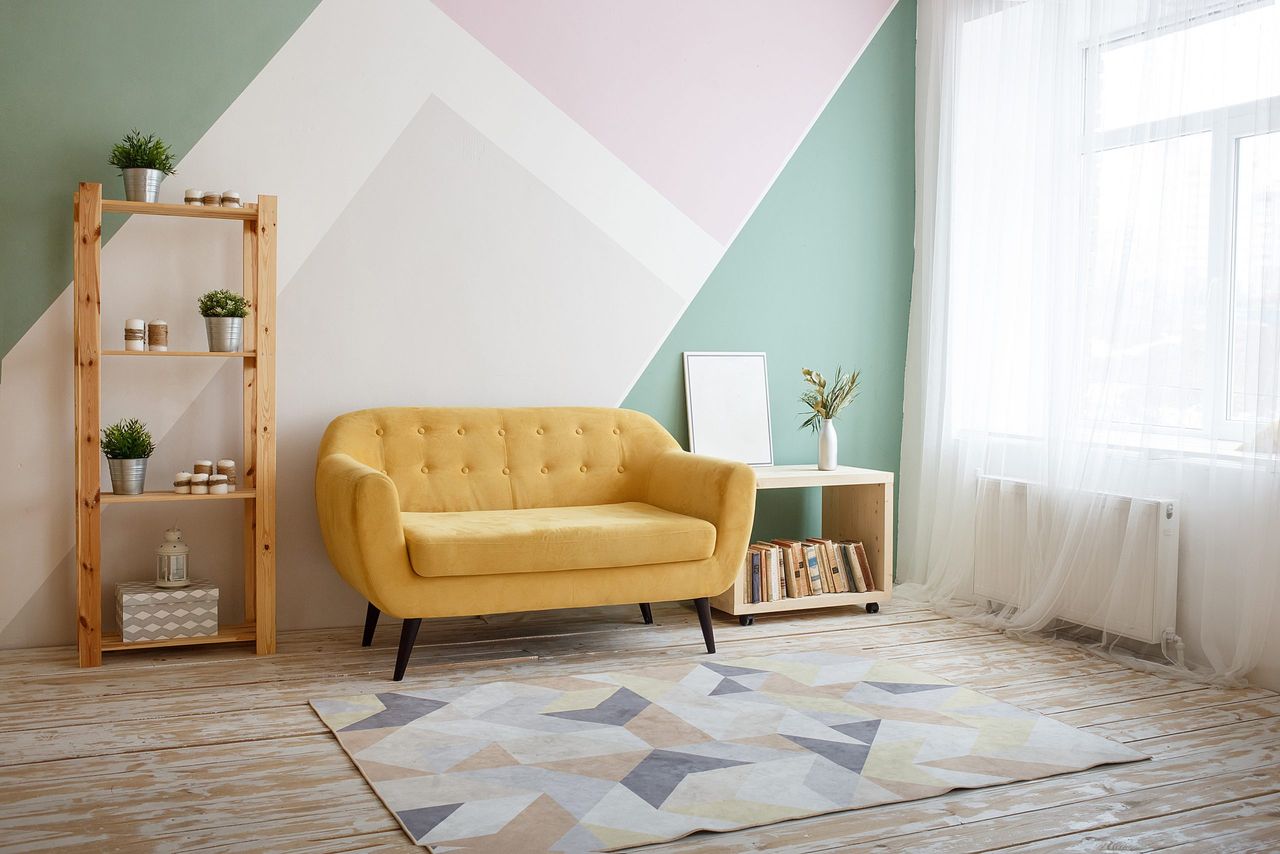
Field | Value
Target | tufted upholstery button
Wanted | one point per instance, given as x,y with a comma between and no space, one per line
461,432
544,469
424,469
501,432
422,431
616,431
506,470
378,431
621,469
578,430
582,468
465,469
539,431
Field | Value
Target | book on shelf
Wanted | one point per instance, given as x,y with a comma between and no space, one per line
849,563
802,566
774,584
839,580
790,570
779,587
764,574
865,565
793,569
830,573
754,589
817,584
776,580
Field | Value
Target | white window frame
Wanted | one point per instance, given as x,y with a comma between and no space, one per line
1227,126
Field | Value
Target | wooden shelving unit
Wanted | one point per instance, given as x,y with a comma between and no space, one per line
257,489
157,354
857,504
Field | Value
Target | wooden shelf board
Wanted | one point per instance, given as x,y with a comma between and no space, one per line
791,477
238,354
806,603
158,495
226,634
248,212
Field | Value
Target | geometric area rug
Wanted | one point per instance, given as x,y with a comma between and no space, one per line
611,760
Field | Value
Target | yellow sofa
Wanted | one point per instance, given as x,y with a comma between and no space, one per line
432,512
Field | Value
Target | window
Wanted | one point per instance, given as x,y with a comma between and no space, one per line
1183,194
1113,224
1254,381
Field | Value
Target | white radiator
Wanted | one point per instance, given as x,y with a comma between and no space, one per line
1123,577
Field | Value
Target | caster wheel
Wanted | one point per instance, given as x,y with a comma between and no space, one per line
873,607
747,620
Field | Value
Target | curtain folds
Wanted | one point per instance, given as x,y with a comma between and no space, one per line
1093,371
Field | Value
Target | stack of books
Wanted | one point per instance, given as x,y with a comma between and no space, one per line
790,569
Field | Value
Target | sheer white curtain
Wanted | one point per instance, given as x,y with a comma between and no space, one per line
1096,316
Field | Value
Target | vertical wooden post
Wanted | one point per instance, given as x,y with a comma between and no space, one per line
248,410
88,354
886,563
265,427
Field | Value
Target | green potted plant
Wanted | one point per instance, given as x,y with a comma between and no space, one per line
143,161
127,445
825,401
224,313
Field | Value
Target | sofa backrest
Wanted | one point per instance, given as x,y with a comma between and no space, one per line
447,459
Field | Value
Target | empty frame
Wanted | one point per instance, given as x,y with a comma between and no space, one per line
728,400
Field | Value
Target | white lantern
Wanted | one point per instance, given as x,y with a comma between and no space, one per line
171,560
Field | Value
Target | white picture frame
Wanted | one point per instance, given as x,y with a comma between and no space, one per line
727,396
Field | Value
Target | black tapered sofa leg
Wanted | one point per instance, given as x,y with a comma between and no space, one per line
704,619
408,636
370,623
647,613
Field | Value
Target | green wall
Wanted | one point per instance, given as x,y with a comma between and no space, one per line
819,276
77,75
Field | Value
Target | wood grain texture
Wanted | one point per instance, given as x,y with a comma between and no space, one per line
793,477
248,379
248,212
256,487
226,634
152,497
93,758
264,413
857,504
87,337
156,354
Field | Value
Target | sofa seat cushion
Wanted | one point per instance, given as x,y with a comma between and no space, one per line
546,539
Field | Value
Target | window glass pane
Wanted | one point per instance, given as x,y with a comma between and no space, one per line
1231,60
1146,351
1255,296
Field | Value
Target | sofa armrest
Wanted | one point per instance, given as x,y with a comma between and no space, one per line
719,491
359,512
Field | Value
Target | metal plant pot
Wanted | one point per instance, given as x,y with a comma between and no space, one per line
142,185
127,476
226,334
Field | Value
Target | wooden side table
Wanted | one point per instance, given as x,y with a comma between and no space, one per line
857,504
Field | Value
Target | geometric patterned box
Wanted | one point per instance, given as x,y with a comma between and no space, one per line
146,612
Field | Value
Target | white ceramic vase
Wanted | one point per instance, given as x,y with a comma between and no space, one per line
827,446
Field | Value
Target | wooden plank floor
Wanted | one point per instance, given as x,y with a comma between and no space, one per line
212,749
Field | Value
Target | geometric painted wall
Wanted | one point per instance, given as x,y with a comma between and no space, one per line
820,276
480,203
